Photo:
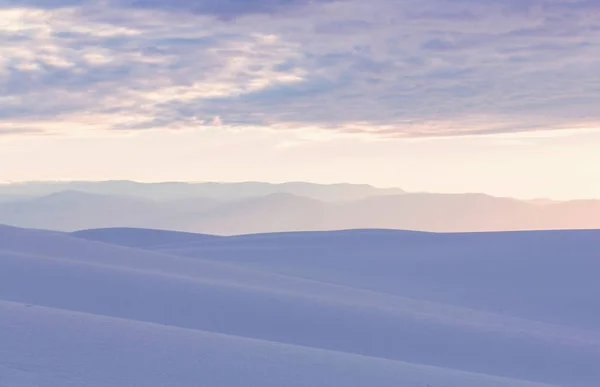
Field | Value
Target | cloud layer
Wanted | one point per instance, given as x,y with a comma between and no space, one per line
387,68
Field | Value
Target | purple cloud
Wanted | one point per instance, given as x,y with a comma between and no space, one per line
225,9
405,68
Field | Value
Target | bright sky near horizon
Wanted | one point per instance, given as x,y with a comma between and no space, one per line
494,96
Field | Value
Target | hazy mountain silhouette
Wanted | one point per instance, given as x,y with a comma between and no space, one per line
226,215
73,210
180,190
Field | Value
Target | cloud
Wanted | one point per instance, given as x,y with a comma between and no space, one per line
405,68
6,130
224,9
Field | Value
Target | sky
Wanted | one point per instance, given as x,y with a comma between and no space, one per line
494,96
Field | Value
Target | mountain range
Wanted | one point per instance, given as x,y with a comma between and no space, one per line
166,191
245,208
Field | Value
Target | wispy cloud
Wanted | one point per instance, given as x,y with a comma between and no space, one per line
8,130
384,68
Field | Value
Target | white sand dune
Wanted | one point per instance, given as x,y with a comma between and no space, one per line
55,348
293,307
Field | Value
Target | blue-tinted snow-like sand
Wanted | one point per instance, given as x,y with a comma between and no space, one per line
294,309
53,348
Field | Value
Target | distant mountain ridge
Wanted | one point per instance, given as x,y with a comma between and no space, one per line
72,210
182,190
